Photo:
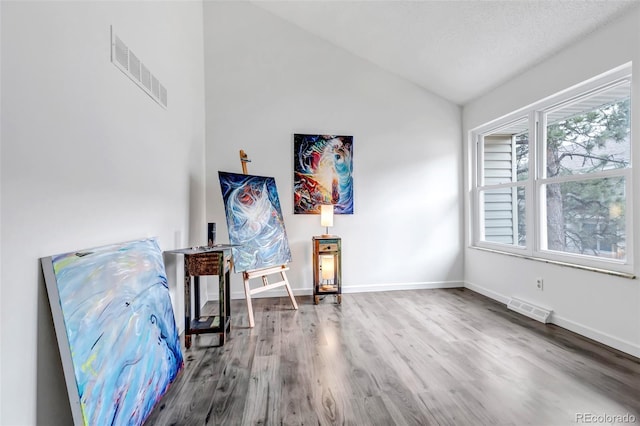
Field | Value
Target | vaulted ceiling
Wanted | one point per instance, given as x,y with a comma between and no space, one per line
456,49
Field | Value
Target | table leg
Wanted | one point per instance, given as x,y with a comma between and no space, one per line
187,307
227,293
196,297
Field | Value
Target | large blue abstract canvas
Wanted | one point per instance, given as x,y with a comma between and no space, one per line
255,222
322,173
116,330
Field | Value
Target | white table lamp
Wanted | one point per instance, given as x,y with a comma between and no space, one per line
326,216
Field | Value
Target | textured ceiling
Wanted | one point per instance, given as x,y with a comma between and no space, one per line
456,49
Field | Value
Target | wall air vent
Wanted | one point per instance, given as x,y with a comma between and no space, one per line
134,66
529,309
131,65
155,87
163,95
145,77
121,53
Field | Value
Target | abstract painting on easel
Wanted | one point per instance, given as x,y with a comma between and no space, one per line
255,222
322,173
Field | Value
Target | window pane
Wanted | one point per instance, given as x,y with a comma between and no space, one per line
522,155
506,154
504,215
590,134
587,217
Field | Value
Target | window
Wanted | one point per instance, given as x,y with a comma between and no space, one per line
554,180
504,176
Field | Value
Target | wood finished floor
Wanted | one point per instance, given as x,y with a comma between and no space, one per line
424,357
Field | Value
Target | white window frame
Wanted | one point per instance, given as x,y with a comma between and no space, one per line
479,205
535,210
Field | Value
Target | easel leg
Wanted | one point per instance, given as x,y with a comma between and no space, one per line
247,296
289,291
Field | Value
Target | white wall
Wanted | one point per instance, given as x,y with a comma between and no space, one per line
267,79
1,174
599,306
89,159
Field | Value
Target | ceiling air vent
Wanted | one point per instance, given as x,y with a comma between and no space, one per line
529,309
133,67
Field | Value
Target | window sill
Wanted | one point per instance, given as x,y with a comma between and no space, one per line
560,263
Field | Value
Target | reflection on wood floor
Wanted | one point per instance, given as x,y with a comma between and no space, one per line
420,357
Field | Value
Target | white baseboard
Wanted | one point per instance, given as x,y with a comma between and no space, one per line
583,330
598,336
360,288
486,292
368,288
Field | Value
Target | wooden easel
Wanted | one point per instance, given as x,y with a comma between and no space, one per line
244,159
263,273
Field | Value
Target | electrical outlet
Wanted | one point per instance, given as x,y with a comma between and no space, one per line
539,283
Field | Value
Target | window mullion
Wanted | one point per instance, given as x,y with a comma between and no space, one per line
586,176
540,198
478,141
502,185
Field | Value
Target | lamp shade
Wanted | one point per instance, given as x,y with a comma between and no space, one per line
326,215
328,267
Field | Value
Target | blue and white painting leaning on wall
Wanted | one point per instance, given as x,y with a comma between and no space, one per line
120,329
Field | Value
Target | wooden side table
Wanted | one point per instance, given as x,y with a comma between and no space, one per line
200,261
327,267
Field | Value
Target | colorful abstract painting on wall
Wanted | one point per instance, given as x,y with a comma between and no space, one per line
322,173
116,330
255,222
